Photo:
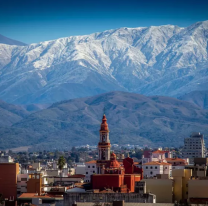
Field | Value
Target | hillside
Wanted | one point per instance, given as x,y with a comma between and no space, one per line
11,114
199,98
132,118
158,60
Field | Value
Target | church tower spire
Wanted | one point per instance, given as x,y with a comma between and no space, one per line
104,143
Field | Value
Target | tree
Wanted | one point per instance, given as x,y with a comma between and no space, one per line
61,163
1,199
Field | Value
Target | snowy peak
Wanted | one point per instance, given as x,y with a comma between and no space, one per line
165,60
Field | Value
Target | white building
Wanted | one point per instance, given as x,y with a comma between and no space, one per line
80,168
22,183
158,155
6,159
194,146
151,169
90,169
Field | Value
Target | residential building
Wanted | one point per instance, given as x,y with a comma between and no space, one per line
155,156
34,184
151,169
36,166
90,169
194,146
22,183
6,159
199,167
177,163
197,191
80,168
8,181
181,178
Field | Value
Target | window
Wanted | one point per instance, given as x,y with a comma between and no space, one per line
93,166
151,167
86,172
88,166
23,179
93,171
151,173
146,167
156,167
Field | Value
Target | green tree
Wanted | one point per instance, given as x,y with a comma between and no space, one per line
61,163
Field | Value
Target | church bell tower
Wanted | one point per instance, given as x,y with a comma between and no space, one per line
104,143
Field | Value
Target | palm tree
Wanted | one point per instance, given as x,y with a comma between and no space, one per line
61,163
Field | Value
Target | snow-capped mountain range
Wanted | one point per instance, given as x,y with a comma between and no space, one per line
157,60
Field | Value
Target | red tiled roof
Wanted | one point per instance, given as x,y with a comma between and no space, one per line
33,195
92,162
175,160
159,152
156,163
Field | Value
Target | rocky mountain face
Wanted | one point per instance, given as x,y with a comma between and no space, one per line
157,60
132,118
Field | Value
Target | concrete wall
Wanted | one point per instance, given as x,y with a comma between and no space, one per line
70,198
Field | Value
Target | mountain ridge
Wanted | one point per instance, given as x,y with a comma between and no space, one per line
158,60
67,123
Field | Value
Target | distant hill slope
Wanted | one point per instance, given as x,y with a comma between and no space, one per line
6,40
10,114
132,118
199,98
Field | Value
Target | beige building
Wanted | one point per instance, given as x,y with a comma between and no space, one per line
198,191
199,168
169,190
162,188
180,189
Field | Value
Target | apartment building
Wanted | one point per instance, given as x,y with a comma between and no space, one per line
194,146
151,169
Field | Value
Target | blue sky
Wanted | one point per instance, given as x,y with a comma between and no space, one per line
32,21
